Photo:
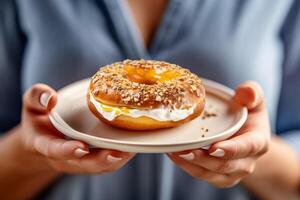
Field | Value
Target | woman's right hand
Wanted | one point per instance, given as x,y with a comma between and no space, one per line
40,139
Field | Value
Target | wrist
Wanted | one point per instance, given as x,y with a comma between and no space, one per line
277,179
23,173
19,157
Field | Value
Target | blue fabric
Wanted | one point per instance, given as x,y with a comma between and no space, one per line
58,42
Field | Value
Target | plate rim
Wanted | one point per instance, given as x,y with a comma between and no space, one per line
243,112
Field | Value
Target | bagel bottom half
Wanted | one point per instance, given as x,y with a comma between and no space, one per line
144,123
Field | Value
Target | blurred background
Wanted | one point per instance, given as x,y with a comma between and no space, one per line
59,42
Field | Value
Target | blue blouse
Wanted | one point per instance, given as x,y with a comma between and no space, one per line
58,42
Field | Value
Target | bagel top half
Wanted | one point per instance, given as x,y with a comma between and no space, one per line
146,84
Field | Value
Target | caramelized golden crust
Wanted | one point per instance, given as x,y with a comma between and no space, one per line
146,84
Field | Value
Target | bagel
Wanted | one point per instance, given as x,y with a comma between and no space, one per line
145,95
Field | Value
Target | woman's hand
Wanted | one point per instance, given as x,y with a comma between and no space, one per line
39,138
227,162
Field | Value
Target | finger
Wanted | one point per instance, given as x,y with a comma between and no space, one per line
103,161
99,161
245,145
219,180
57,148
201,158
39,99
250,95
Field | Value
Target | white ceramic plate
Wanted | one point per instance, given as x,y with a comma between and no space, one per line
72,117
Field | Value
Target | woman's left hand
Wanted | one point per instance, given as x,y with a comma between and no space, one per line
227,162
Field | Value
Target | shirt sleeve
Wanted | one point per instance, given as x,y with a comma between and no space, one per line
11,48
288,120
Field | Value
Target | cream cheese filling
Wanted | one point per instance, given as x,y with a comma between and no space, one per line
159,114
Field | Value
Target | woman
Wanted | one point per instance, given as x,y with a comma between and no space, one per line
58,42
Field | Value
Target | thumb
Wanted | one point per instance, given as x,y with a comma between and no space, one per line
249,94
40,99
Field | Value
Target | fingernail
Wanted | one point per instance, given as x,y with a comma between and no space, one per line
206,147
45,98
113,159
218,153
189,156
80,152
